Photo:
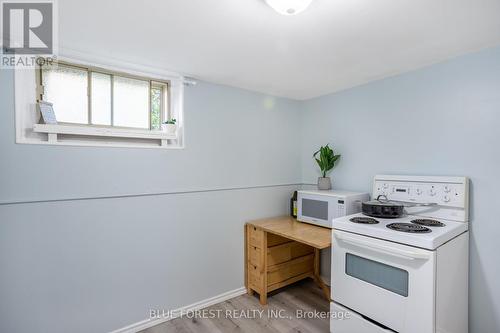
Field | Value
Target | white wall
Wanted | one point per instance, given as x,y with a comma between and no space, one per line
442,120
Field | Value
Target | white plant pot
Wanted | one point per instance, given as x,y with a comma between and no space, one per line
324,183
169,128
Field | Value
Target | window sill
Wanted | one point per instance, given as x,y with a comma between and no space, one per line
58,133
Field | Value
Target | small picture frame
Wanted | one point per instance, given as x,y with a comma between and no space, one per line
47,114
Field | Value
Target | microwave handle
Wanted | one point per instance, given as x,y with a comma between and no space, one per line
389,250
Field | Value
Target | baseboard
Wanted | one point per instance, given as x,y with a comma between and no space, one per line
142,325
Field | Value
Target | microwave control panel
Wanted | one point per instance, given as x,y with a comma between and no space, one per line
340,208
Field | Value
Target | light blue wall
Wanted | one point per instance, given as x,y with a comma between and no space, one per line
233,138
98,264
441,120
89,266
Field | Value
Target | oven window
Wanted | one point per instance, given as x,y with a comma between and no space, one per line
315,208
384,276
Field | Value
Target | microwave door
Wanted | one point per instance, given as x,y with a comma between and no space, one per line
316,210
384,281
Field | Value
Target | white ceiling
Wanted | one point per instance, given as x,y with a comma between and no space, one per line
334,45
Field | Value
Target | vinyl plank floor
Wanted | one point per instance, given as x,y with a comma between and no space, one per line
244,314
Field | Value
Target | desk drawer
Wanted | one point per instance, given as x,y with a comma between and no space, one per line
254,255
286,252
290,269
255,236
254,278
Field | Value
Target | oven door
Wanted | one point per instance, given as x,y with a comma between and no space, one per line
390,283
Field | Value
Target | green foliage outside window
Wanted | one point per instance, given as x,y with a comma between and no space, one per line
156,108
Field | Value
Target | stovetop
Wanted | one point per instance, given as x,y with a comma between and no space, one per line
414,230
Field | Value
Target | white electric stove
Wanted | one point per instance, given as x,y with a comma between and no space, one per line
426,233
406,274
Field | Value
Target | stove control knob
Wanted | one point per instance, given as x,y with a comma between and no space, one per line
447,188
432,192
446,198
385,186
418,191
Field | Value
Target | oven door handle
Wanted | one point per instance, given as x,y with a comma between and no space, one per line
389,250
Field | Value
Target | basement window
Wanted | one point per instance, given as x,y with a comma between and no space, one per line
99,106
92,96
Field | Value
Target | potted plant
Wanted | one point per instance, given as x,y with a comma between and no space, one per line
326,162
169,126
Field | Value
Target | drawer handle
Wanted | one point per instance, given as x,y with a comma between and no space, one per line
254,228
255,248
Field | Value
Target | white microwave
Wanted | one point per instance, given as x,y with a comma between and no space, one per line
321,207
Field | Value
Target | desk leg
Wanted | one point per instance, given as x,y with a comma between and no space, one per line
263,270
247,261
317,276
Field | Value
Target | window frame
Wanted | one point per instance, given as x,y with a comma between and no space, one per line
27,115
165,86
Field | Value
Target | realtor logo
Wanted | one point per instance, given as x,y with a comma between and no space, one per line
28,28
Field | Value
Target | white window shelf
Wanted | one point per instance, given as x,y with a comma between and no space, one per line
53,130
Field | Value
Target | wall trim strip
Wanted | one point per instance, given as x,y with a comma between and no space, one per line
118,196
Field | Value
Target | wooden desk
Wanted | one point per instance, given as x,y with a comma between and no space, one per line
280,251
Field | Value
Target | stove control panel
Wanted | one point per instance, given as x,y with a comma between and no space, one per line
448,193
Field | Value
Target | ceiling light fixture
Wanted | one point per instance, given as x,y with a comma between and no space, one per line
289,7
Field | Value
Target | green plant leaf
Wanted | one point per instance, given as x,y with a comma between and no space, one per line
326,160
